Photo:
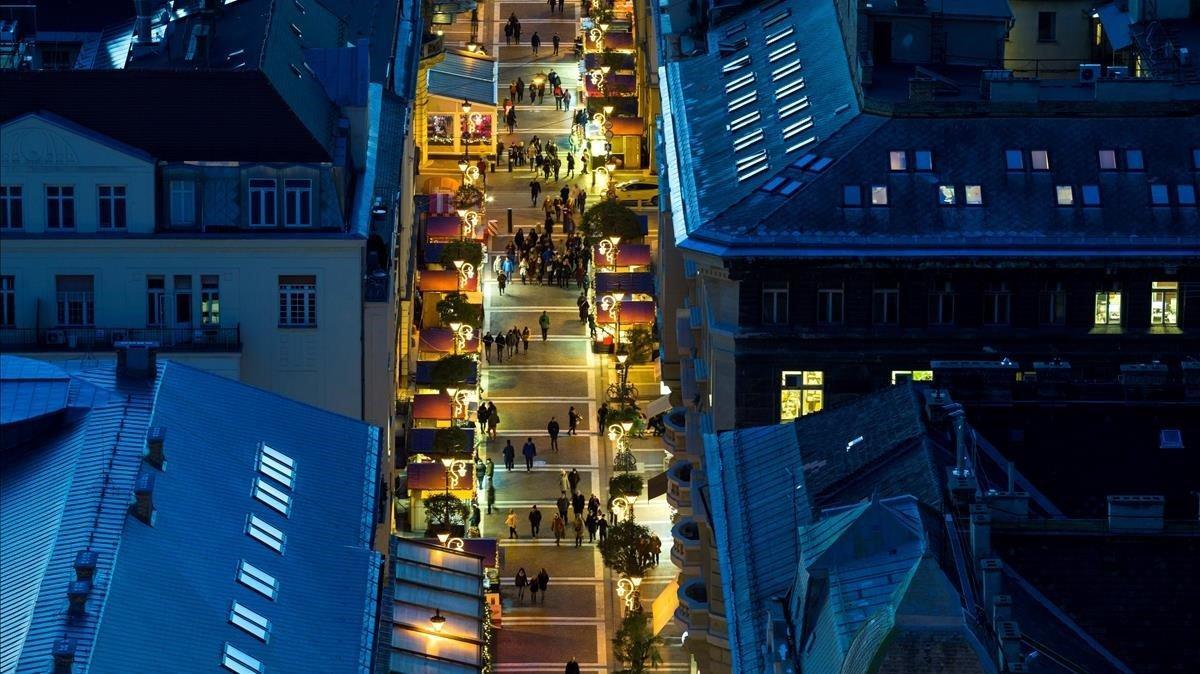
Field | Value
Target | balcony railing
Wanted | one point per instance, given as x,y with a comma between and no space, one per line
207,338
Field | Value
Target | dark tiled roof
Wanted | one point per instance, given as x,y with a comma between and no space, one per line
1017,206
164,112
80,15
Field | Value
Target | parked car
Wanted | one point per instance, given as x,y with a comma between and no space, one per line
643,189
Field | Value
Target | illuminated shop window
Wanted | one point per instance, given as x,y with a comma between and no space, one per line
901,376
800,393
1108,307
1164,303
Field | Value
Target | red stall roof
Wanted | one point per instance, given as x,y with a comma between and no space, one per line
443,227
630,254
442,340
445,281
435,405
432,476
627,126
632,313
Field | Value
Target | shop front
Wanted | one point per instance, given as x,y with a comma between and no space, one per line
457,117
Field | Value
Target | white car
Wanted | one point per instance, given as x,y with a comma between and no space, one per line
643,189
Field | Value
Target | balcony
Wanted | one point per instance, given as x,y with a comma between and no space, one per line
42,340
674,438
693,609
685,550
679,487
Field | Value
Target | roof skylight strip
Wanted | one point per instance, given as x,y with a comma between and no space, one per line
239,662
785,70
742,101
735,29
786,50
793,107
789,89
254,624
264,533
276,499
750,174
258,580
798,127
779,35
746,162
776,19
748,140
742,81
736,64
744,121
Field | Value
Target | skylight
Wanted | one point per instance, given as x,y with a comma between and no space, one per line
239,662
1064,195
1013,160
748,140
788,189
739,82
779,35
1186,194
776,19
736,64
744,121
1090,194
797,127
258,580
735,29
277,466
786,50
742,101
1039,160
789,88
276,499
264,533
793,107
820,164
1159,195
1108,160
726,47
751,160
974,194
802,144
804,161
1133,160
254,624
785,70
772,184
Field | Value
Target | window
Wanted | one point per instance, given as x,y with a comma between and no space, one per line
879,195
262,203
60,206
1133,160
258,580
297,301
210,299
156,299
1091,195
1052,304
1108,307
885,306
183,300
1164,303
238,662
947,195
277,466
1039,160
264,533
901,376
12,212
800,394
1064,195
254,624
1047,26
974,195
1013,160
941,304
111,206
76,301
923,159
1108,160
997,304
1159,195
297,203
183,202
1196,158
8,301
897,160
851,195
1185,194
273,497
774,302
830,306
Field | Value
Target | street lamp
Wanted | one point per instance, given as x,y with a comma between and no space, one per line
624,460
608,110
612,304
466,271
466,160
437,621
462,335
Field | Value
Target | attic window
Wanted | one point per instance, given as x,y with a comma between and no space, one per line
947,195
1090,194
1170,438
299,7
1108,160
742,101
879,195
793,107
747,140
239,662
802,144
1039,160
779,35
786,50
296,31
851,195
295,70
788,189
897,160
258,580
273,497
798,127
923,160
744,121
739,82
1133,160
820,164
973,194
1064,195
1013,160
804,161
1186,194
752,165
277,466
264,533
234,54
771,184
253,623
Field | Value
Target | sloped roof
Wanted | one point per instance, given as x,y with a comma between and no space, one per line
424,577
461,75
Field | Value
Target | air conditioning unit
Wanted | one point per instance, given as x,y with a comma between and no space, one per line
1089,73
997,75
1117,73
56,337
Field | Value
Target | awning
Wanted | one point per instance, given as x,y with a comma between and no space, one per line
431,252
629,255
617,61
431,406
628,282
432,475
445,281
443,227
618,41
627,126
420,440
632,313
1116,26
463,75
663,608
657,485
614,85
441,340
658,407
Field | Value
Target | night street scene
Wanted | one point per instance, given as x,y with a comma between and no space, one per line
599,336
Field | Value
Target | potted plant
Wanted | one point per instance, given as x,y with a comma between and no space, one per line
609,218
468,197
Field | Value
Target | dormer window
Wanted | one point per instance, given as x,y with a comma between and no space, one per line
1159,195
851,195
923,160
974,195
1091,195
1064,195
1108,160
1185,194
1133,160
947,195
879,195
1039,160
1013,160
897,160
262,203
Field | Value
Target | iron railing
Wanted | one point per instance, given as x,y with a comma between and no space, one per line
205,338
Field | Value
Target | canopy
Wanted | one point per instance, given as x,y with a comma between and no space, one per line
628,255
618,40
614,85
432,476
431,252
443,227
431,406
424,375
462,74
625,281
445,281
631,313
627,126
420,440
623,106
441,340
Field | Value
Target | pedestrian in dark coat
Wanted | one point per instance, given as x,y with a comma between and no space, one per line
577,504
602,417
520,582
525,338
578,531
593,504
573,479
530,451
481,415
563,503
552,430
491,497
535,520
543,580
535,188
510,453
572,421
535,42
602,526
591,524
572,667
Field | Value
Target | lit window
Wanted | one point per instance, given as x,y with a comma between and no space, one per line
12,212
1013,160
997,304
273,497
277,466
1133,160
901,376
1064,195
774,302
210,299
1039,160
800,394
253,623
830,306
239,662
111,206
947,195
264,533
258,580
885,306
923,160
1052,304
262,203
941,305
1164,303
1108,307
974,195
75,300
897,160
1091,195
851,195
1159,195
298,301
1186,194
1108,160
183,202
879,195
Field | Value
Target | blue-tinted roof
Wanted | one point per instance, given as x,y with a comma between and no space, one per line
460,75
31,389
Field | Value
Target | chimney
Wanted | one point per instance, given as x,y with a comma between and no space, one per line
64,655
1009,635
981,531
990,570
1002,608
1008,506
85,564
137,360
1135,513
77,595
154,446
141,25
143,498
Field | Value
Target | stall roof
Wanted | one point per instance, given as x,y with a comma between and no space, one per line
627,255
432,475
442,340
619,61
614,85
462,75
618,40
445,281
625,281
420,440
424,375
632,313
628,126
429,575
488,549
431,406
443,227
431,252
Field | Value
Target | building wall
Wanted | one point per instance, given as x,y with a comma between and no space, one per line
1072,43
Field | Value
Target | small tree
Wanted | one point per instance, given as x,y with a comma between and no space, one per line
462,249
445,510
609,218
450,440
626,549
639,343
455,308
452,371
636,643
630,413
468,197
625,484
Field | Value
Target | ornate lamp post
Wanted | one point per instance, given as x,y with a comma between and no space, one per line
609,249
612,304
462,335
466,111
624,460
466,272
437,621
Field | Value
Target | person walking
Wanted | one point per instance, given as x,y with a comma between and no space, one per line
552,430
554,41
510,521
514,340
578,531
533,590
544,324
551,3
602,525
590,523
573,480
572,421
572,667
491,496
520,90
501,281
510,118
535,520
489,467
577,504
563,483
655,548
535,188
570,162
508,33
562,504
525,338
487,354
602,418
521,581
535,42
593,504
509,454
481,415
561,3
543,580
493,422
583,305
530,451
559,527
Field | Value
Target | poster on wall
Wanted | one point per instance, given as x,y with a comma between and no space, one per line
441,130
477,129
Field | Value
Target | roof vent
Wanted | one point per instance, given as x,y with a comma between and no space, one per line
1009,635
136,360
1135,513
64,655
154,446
85,564
77,594
143,498
1170,438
